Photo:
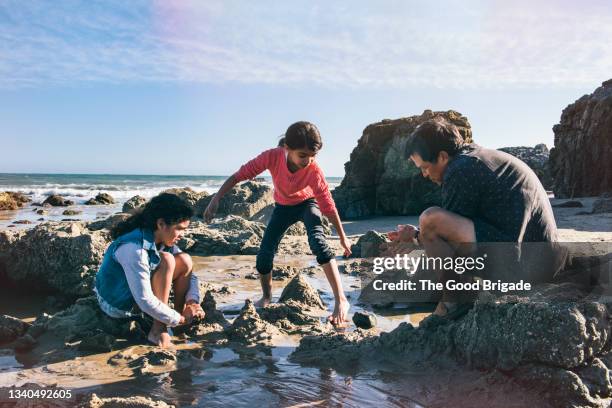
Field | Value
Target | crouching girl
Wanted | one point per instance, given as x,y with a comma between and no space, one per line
143,263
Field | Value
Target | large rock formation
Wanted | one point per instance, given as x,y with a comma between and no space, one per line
580,160
536,158
10,200
379,180
552,339
245,200
61,257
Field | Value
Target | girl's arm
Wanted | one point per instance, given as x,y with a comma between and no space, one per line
337,223
135,263
212,207
248,170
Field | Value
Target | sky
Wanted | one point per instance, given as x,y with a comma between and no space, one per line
199,87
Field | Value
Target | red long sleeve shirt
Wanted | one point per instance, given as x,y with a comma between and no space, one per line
290,188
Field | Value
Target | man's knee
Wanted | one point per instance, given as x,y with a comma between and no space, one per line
430,219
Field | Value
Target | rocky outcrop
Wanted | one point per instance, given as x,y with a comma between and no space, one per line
536,158
11,328
580,160
245,200
107,223
57,201
60,257
10,200
115,402
190,196
230,236
379,180
369,245
133,203
553,338
300,291
101,199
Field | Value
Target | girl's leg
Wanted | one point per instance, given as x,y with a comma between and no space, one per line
282,218
325,257
161,283
180,279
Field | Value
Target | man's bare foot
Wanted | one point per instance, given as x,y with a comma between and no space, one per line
160,338
340,315
263,302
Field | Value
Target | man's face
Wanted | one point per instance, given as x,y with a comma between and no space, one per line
433,171
169,234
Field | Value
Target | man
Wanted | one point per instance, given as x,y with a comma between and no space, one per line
487,196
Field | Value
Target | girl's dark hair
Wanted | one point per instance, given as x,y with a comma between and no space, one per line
433,136
169,207
302,135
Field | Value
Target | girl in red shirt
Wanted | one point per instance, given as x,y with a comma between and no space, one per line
301,194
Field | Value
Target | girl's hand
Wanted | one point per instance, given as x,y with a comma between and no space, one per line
211,209
346,244
193,311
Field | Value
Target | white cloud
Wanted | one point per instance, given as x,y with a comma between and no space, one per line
489,44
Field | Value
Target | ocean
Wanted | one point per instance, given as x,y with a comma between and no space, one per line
81,187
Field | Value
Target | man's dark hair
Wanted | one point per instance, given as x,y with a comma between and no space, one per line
432,137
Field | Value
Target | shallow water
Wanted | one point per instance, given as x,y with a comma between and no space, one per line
221,376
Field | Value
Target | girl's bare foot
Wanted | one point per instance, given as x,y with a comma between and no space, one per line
263,302
340,315
160,338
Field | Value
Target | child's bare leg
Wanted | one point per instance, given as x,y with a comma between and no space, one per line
161,283
341,307
180,279
266,290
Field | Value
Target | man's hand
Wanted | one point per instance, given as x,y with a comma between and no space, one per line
211,209
346,244
404,233
192,311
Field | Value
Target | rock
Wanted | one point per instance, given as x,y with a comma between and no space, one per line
57,201
364,320
300,291
108,223
72,212
101,199
55,256
379,180
132,402
11,328
231,236
290,318
188,195
245,200
579,161
22,222
369,245
98,343
42,212
250,328
25,343
569,204
603,204
536,158
133,203
553,335
10,200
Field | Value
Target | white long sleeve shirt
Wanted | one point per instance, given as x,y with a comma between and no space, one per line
135,262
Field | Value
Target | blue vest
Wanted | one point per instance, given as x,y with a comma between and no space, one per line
111,283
